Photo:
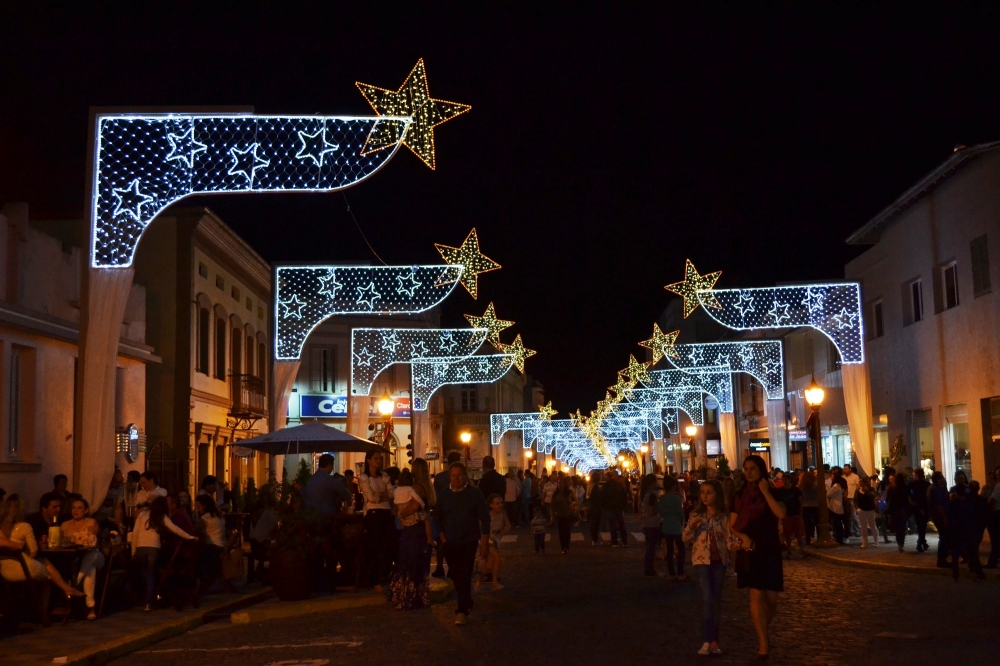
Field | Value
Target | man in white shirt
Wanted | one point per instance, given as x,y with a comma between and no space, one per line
853,483
148,490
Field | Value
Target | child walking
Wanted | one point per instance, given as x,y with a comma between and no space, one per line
538,524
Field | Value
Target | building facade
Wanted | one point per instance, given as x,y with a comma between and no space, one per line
931,319
209,298
40,282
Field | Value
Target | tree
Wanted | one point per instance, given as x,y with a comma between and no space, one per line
722,466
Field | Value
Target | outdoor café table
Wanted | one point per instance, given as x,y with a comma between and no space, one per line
67,560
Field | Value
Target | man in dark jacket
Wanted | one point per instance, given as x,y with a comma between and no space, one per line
615,500
491,483
921,509
464,520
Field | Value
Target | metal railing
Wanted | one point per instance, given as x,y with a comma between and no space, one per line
249,396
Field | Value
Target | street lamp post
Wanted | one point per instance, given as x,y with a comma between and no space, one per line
386,405
528,455
814,397
644,449
691,431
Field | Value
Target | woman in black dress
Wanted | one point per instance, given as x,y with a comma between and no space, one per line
754,521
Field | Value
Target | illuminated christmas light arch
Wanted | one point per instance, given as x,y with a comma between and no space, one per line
427,378
716,381
760,358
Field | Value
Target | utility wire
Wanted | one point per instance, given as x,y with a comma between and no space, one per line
363,237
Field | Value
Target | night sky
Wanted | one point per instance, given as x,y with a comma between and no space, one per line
602,149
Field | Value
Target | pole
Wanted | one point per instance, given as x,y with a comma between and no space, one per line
823,539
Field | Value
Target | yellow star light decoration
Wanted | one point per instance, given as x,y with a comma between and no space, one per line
661,344
547,411
518,350
692,284
413,99
576,418
622,386
636,371
490,322
468,255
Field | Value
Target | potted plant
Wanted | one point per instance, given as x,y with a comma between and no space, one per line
296,542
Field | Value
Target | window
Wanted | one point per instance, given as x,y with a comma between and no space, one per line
878,328
949,280
219,282
980,266
235,293
260,312
916,301
204,335
250,366
323,369
203,270
922,438
261,361
220,349
249,304
469,401
237,360
955,447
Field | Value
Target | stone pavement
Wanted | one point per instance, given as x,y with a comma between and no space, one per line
593,604
887,556
114,635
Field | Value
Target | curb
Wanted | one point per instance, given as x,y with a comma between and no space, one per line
440,592
902,568
102,653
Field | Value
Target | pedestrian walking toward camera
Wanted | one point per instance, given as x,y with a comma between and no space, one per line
962,527
565,510
615,500
792,526
464,521
671,508
708,533
835,507
595,507
538,525
918,505
897,508
810,504
650,521
755,523
864,499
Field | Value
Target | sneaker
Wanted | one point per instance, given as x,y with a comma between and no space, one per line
705,650
715,649
460,618
864,545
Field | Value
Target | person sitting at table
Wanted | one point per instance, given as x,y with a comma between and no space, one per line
212,526
82,530
49,512
146,542
21,536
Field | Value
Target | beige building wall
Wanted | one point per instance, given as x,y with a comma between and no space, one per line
950,358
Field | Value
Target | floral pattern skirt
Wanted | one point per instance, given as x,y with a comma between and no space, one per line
408,588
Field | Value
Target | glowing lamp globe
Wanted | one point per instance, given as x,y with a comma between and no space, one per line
465,437
386,405
691,430
814,394
528,454
621,458
644,448
565,469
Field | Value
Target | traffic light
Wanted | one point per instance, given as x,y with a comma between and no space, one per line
409,449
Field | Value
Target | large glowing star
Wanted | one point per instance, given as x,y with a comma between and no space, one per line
547,411
469,256
692,284
490,322
145,162
661,344
519,352
307,295
412,99
833,309
636,371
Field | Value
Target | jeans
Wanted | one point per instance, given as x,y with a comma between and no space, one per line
565,525
146,558
526,510
944,544
810,516
92,562
710,577
961,545
652,543
512,513
674,540
867,521
540,542
595,524
850,518
461,561
921,518
616,520
837,523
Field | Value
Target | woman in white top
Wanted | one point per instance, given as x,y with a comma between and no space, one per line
82,530
213,526
380,527
146,542
16,531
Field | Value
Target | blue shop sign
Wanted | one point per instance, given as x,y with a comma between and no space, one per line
323,406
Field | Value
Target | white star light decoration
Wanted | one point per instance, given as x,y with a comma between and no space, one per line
429,377
373,350
760,358
325,291
717,382
833,309
145,162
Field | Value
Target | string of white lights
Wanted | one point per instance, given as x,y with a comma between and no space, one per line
427,378
831,308
145,162
716,381
760,358
305,296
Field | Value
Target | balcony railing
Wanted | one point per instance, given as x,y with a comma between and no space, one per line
249,400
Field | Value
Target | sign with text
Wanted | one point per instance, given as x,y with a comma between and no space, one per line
798,435
760,445
335,406
713,447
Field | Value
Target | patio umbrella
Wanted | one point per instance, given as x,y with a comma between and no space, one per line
309,438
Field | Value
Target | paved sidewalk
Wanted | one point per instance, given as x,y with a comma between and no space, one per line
83,642
887,556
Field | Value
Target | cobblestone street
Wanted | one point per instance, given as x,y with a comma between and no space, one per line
594,602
